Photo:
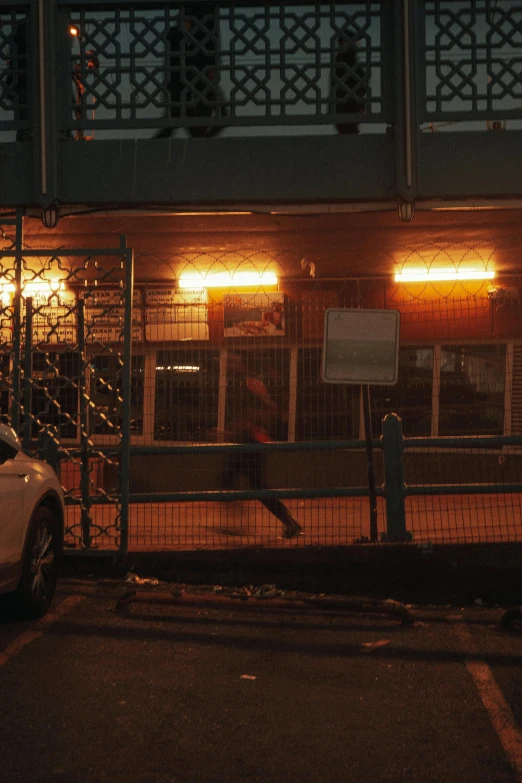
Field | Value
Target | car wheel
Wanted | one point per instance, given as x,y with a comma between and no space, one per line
34,594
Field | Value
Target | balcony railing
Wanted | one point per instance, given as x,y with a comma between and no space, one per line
101,71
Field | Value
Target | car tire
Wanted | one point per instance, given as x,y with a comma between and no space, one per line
35,591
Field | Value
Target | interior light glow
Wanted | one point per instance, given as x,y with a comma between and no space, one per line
204,214
6,292
73,31
180,368
32,288
42,287
438,275
226,279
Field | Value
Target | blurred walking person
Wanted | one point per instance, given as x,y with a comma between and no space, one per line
348,90
254,412
193,68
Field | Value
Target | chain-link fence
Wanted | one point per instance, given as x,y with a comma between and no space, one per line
227,349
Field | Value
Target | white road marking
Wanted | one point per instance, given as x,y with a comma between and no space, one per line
492,698
27,637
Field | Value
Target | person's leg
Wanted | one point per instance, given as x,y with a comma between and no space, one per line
202,110
174,88
274,505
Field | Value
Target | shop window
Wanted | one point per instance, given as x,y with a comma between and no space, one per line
187,389
106,391
411,397
324,411
272,367
54,392
472,381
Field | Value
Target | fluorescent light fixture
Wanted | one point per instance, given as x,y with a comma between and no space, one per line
226,279
42,287
438,275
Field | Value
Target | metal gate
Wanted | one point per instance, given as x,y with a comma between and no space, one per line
66,335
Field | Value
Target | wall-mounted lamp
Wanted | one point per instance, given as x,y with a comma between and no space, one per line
195,280
30,288
442,274
42,288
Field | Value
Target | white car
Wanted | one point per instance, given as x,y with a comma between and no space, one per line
31,529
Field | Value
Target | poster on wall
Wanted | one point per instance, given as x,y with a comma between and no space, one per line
254,315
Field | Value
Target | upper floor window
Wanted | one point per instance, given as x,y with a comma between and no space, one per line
411,397
472,382
54,391
187,389
106,393
324,411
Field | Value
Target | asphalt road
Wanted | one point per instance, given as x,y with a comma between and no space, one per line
156,695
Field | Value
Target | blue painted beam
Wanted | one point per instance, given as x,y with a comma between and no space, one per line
306,169
471,164
16,174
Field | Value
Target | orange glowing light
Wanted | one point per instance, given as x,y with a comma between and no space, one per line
226,279
442,274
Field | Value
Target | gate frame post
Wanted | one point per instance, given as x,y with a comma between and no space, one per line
395,489
126,394
85,476
27,383
16,386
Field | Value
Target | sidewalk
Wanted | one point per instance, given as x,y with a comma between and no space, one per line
445,519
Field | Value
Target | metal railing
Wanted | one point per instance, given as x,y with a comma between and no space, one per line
89,71
401,522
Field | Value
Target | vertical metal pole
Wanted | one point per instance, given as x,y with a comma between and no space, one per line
126,404
292,400
85,478
28,356
42,61
222,396
369,455
435,391
17,325
394,478
406,114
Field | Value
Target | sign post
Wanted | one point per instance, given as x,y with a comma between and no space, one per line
362,347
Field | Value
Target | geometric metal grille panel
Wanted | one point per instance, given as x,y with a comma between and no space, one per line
14,67
73,314
473,55
208,64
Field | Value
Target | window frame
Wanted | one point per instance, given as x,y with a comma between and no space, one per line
149,351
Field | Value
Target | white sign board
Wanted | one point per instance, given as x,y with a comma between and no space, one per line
361,346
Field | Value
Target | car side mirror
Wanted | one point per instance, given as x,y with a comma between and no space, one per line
9,443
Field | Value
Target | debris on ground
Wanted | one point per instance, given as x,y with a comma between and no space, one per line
248,677
369,646
269,591
242,593
134,579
